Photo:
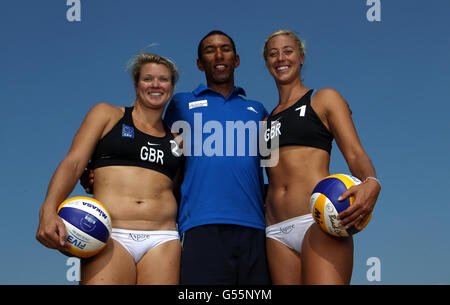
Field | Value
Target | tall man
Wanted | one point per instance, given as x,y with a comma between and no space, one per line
221,215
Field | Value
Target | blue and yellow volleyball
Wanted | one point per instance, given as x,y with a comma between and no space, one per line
325,205
88,225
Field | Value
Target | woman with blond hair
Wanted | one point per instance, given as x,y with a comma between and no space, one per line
135,160
307,121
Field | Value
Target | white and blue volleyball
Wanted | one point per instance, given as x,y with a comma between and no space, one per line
88,225
325,205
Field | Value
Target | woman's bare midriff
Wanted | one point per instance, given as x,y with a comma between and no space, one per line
137,198
292,181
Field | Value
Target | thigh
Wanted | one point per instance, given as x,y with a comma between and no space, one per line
208,257
112,266
284,263
160,265
326,259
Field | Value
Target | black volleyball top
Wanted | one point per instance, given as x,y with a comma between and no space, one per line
298,125
125,145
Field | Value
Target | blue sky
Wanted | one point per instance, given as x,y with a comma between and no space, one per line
393,73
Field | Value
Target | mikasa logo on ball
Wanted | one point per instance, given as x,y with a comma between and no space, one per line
317,216
100,212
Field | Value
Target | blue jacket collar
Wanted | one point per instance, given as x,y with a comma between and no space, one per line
202,88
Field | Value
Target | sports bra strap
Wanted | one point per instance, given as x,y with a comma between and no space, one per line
127,117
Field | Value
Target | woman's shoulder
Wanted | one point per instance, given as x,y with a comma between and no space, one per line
104,109
328,99
104,106
104,113
327,93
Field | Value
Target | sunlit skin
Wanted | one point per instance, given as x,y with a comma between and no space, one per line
324,259
284,61
154,87
136,198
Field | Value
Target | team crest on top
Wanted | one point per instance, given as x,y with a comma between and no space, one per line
127,131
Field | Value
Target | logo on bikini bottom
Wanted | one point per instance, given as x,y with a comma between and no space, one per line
139,237
287,229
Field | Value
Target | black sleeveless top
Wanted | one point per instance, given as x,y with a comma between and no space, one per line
125,145
298,125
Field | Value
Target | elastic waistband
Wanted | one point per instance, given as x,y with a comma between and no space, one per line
302,218
155,232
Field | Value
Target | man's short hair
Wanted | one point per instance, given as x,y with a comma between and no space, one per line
214,32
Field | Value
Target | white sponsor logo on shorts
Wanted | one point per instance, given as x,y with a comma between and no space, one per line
139,237
287,229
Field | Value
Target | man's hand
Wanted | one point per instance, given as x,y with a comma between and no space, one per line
87,181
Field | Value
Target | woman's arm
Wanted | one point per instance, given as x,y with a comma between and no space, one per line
51,231
340,123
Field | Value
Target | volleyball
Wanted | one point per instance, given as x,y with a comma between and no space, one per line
325,205
88,225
